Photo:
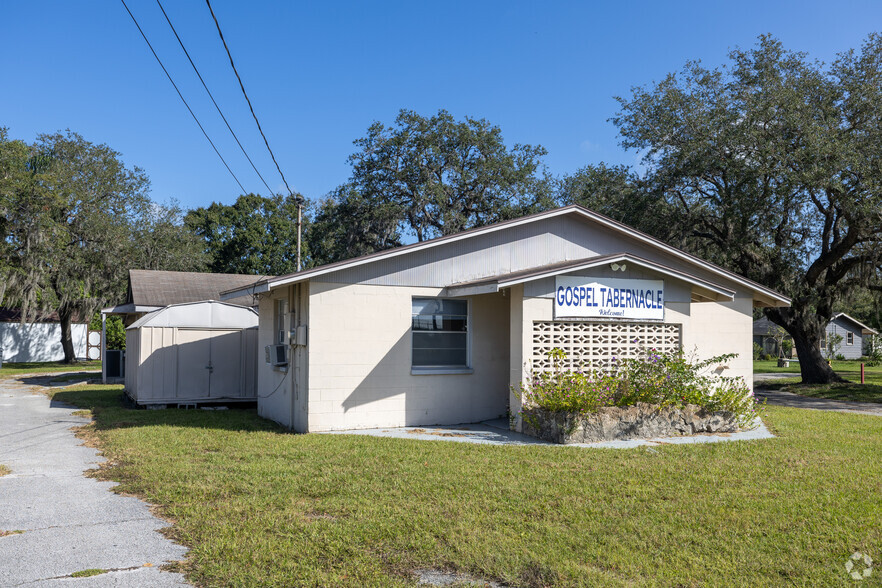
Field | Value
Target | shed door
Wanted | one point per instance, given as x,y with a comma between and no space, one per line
226,363
194,359
209,364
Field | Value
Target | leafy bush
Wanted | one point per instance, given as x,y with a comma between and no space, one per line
839,357
758,351
115,331
661,379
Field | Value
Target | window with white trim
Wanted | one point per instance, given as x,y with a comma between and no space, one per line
281,315
440,337
849,338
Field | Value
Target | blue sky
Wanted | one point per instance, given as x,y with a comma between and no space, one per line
319,73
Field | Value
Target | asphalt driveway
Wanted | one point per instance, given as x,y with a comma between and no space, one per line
68,523
779,398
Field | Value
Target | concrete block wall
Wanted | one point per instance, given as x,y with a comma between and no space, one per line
274,389
720,328
360,361
707,329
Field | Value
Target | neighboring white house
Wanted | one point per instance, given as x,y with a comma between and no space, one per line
439,332
38,340
853,333
855,336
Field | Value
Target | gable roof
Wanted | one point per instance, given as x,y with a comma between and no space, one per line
763,326
709,290
264,285
865,330
157,289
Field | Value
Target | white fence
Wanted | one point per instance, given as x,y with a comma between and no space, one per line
38,341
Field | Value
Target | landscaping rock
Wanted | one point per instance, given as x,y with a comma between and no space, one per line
613,423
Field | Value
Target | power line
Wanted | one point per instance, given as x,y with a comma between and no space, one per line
187,53
181,96
242,86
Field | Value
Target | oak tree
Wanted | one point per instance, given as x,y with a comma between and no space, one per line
773,166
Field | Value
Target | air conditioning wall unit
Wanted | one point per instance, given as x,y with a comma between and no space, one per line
277,355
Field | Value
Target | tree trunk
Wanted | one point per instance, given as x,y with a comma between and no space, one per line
65,314
806,334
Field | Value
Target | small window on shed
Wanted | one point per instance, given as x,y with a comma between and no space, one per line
440,333
849,339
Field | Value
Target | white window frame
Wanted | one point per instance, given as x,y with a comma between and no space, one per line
280,324
444,370
849,338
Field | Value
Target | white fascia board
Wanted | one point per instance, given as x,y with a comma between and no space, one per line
609,223
453,291
718,290
128,309
417,247
252,290
603,221
865,330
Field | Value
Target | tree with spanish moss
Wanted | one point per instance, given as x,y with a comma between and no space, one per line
773,165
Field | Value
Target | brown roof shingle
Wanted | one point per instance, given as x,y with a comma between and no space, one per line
161,288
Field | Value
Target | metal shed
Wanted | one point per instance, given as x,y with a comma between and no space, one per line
191,353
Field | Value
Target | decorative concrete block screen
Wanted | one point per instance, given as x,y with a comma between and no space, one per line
592,346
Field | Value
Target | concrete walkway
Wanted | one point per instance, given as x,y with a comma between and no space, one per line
69,523
496,432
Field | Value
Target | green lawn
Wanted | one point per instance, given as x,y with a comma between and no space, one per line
37,367
871,391
259,506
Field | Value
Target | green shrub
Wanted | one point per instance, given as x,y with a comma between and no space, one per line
661,379
115,331
757,352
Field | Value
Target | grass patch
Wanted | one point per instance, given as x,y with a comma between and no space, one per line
8,533
849,392
37,367
853,390
4,470
88,573
259,506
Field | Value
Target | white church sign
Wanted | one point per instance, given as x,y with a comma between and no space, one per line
576,297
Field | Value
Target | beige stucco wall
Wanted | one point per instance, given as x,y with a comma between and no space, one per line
708,328
355,371
360,361
720,328
274,389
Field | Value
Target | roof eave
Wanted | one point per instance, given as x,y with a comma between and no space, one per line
251,290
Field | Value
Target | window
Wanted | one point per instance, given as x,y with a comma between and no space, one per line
281,315
440,333
849,339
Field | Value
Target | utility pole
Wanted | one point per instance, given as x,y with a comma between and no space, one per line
299,225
